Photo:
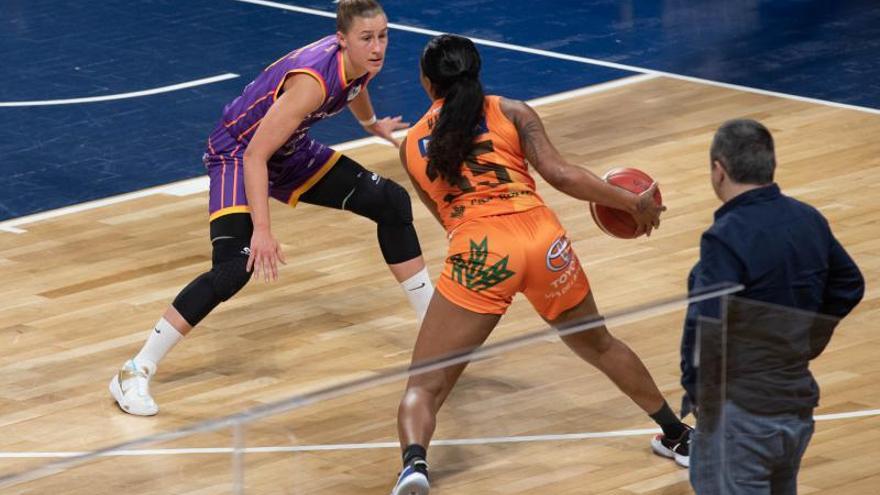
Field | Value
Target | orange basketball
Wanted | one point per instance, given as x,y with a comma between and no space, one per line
619,223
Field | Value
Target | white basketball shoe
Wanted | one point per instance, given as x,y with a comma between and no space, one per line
131,388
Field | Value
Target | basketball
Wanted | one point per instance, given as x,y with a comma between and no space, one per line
619,223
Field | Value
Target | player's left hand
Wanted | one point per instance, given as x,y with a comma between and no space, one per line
384,128
647,215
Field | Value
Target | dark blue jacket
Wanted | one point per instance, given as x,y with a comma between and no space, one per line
783,252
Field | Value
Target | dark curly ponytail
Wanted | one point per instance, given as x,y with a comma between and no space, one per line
452,65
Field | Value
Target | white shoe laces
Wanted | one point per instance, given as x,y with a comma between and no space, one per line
140,377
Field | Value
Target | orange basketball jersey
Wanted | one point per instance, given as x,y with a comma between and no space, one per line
495,177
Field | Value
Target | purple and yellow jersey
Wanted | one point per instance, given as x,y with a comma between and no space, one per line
301,161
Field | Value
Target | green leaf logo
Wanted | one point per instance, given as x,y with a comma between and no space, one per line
473,272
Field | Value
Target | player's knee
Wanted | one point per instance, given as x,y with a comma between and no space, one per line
381,200
427,390
229,277
211,288
398,201
229,272
417,398
593,342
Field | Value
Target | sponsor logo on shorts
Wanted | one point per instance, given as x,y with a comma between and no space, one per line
559,255
561,259
473,272
564,282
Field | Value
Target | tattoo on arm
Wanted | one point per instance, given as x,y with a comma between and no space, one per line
533,138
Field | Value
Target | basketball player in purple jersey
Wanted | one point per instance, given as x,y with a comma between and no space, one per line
261,147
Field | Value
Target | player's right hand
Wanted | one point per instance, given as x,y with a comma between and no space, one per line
385,127
265,255
648,212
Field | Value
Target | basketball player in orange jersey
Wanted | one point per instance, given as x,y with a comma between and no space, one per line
467,158
261,147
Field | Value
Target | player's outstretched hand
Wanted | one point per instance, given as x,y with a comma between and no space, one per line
384,128
265,255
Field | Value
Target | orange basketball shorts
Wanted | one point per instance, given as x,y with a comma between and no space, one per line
492,258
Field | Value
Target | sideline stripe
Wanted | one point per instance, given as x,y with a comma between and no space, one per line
200,184
388,445
180,188
583,60
122,96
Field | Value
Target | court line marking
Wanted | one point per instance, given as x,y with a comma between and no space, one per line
575,58
389,445
200,184
11,225
122,96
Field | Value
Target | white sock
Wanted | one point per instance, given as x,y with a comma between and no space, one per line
419,290
162,338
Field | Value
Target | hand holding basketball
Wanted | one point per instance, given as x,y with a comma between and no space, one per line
647,217
622,224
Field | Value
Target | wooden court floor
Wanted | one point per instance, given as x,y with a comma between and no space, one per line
80,293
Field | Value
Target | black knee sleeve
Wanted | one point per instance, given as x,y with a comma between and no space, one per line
229,277
381,200
387,203
226,278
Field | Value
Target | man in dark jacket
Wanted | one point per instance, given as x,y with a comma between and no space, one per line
756,394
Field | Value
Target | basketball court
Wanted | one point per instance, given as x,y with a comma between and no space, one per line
293,387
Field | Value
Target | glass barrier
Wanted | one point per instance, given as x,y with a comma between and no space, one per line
755,395
523,418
